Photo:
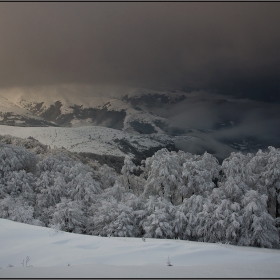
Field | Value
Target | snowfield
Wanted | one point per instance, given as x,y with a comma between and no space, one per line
55,254
91,139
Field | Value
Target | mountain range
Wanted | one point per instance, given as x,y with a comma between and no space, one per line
119,121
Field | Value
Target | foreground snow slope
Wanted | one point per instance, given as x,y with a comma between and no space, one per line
93,256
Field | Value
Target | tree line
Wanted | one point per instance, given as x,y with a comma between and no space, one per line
174,195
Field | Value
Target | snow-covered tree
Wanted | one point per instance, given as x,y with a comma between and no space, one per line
192,207
158,223
51,187
20,183
180,221
199,173
62,176
130,178
258,227
13,158
127,170
117,192
219,222
17,209
84,188
107,176
163,173
235,181
264,174
113,218
185,217
68,216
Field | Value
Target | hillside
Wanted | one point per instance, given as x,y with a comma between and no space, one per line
95,139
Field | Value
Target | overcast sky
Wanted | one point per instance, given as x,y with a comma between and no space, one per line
230,48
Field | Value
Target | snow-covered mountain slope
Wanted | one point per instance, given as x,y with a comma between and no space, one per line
103,106
93,139
11,114
56,254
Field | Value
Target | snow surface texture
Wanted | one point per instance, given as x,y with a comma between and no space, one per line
92,139
56,254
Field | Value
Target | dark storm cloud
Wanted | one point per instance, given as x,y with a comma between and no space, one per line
230,48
